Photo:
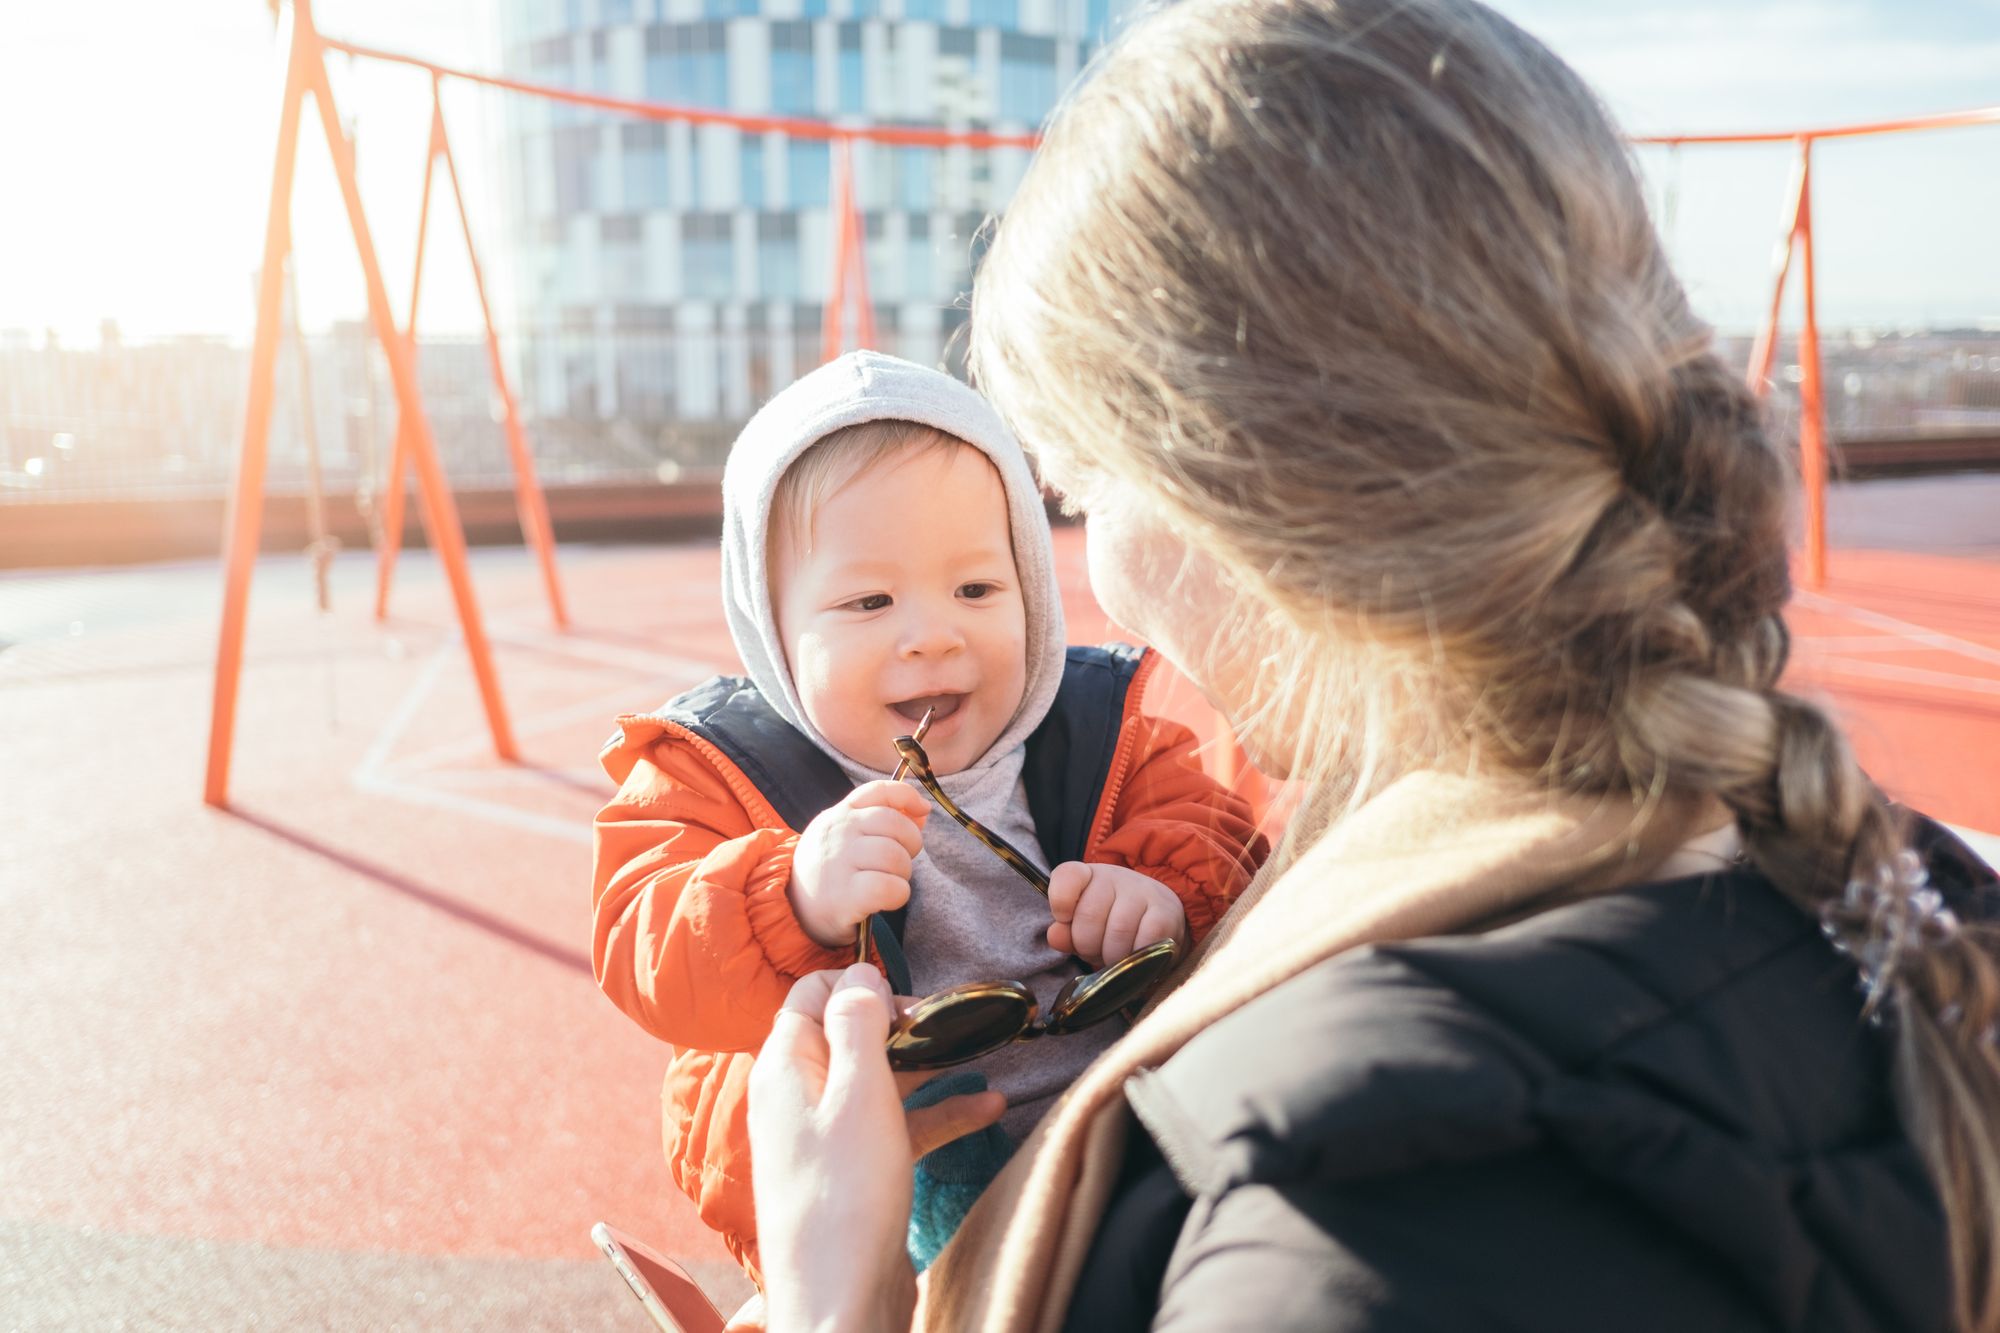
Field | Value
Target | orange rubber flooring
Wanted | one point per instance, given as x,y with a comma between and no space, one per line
334,1058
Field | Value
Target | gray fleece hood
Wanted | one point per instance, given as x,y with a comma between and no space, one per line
859,387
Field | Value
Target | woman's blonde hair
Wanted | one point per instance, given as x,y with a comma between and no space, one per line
1362,297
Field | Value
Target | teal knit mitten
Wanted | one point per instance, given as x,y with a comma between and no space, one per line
949,1179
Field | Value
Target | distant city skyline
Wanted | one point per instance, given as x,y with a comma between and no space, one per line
139,149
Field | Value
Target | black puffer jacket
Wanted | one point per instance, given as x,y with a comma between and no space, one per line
1656,1110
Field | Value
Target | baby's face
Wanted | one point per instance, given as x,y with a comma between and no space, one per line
902,597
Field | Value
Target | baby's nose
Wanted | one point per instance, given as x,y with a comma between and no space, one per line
930,637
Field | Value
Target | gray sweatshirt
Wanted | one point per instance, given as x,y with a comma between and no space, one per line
970,917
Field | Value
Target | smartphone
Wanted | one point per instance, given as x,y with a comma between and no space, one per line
674,1299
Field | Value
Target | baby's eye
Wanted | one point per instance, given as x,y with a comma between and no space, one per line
874,601
974,591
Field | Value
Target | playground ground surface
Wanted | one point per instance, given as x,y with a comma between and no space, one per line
334,1057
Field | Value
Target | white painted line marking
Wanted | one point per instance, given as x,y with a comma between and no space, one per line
1914,675
1931,638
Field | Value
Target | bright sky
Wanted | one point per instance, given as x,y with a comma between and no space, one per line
136,153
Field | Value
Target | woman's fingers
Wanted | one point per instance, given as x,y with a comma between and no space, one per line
791,1069
856,1021
953,1118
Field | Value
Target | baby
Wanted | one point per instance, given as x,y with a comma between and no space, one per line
886,555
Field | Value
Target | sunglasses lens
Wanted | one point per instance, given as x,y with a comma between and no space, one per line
961,1024
1096,996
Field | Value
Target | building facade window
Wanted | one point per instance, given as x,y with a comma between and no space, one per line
708,256
645,361
996,13
751,190
688,63
575,168
853,87
808,172
916,179
549,54
647,181
778,274
1027,77
792,77
919,264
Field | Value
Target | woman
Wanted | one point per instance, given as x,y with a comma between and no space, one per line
1345,323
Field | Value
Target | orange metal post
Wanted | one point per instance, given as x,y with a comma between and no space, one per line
1812,400
529,501
1765,350
857,255
441,514
246,506
399,456
843,213
850,264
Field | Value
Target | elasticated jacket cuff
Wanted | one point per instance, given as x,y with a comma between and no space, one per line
790,951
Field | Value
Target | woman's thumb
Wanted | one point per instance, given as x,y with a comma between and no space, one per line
857,1023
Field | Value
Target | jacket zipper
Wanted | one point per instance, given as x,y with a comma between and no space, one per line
1121,755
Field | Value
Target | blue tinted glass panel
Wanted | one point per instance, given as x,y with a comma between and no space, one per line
931,11
708,256
575,169
852,94
778,268
792,82
808,166
996,13
752,185
916,178
646,180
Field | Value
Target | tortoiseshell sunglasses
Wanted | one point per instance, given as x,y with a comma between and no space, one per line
966,1022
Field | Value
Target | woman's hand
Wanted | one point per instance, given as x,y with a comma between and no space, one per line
833,1154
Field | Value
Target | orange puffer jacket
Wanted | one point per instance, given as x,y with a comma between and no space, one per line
694,937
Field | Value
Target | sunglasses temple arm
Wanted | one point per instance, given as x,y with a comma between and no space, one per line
998,845
861,931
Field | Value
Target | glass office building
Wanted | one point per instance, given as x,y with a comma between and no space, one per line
677,272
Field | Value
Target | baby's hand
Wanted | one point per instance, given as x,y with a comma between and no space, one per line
854,859
1105,912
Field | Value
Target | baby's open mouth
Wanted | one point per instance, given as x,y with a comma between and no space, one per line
914,709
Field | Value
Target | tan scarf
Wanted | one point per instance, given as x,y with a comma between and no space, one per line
1433,854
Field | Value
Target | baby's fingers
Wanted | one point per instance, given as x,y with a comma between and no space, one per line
1067,883
900,796
1121,926
875,891
1163,921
